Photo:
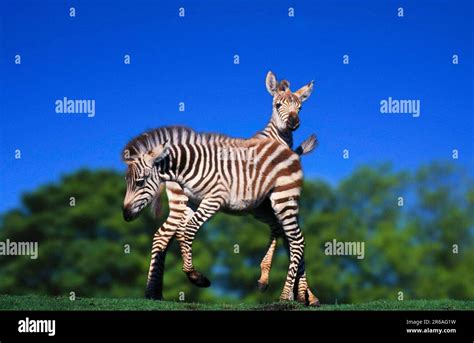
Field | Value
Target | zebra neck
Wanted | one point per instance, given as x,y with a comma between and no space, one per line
273,132
165,169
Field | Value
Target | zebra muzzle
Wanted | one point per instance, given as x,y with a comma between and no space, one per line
128,213
293,123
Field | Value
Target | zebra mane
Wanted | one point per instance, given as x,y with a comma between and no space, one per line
148,140
283,85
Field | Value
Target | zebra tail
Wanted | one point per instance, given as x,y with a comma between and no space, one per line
307,146
156,203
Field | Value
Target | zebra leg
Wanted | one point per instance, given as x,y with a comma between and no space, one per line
195,277
286,210
265,214
178,198
154,285
296,244
161,239
177,214
301,291
207,208
310,298
266,264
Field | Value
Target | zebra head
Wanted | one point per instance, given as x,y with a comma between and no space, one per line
286,104
143,179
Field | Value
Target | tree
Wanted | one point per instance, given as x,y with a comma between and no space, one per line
85,246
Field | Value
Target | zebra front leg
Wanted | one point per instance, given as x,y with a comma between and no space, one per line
286,210
154,285
196,278
296,243
304,293
301,291
207,208
177,214
161,239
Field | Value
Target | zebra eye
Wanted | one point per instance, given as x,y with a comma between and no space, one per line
278,106
139,182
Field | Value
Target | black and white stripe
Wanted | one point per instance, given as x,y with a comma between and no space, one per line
165,155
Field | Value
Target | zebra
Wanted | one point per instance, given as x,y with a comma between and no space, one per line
280,129
195,161
284,120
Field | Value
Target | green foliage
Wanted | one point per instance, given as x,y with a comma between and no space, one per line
407,249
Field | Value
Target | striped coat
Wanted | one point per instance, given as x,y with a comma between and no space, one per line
207,166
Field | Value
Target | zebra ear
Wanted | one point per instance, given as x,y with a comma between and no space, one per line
271,83
158,153
304,92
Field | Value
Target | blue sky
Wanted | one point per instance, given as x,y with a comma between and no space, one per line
190,60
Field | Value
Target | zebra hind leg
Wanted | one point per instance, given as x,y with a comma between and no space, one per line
266,265
265,214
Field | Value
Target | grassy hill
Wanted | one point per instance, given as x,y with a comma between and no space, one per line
47,303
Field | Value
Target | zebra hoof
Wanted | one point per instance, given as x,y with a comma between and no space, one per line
311,299
198,279
314,303
262,287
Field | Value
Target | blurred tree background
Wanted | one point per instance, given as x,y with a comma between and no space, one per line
409,248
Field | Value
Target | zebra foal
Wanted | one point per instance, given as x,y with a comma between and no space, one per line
195,162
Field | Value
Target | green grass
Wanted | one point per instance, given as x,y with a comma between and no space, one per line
48,303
